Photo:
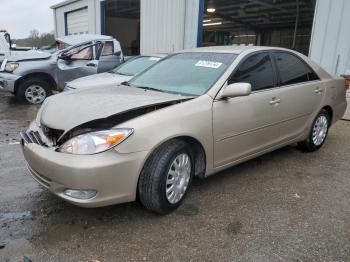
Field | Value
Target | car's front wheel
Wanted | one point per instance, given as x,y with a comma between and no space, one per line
166,177
318,133
33,91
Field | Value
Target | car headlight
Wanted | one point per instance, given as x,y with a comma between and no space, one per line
10,67
95,142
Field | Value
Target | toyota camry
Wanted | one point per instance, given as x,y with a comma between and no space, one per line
192,114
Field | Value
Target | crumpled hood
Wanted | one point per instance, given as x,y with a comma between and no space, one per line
71,109
99,80
28,55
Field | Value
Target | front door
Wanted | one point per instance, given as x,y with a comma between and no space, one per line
75,63
243,126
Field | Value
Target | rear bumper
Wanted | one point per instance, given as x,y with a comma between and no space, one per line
339,111
7,81
114,176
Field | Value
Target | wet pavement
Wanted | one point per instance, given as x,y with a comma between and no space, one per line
284,206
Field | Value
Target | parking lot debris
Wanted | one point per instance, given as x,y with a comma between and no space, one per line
296,195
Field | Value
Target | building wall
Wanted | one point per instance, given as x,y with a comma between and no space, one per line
94,13
330,40
168,25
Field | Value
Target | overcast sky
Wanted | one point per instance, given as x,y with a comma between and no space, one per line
18,17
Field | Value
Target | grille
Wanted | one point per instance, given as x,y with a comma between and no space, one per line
52,134
32,137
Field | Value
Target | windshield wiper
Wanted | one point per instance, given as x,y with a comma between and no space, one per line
151,88
125,83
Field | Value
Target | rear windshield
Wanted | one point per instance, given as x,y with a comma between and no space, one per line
136,65
186,73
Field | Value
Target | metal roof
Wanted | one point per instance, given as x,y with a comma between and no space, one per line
236,49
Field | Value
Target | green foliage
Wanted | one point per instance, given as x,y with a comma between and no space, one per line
36,40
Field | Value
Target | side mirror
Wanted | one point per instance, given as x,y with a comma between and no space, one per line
64,57
236,89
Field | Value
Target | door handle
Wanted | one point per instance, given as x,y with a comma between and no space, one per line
275,101
91,64
318,90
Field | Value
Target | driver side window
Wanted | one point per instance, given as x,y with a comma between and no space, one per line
81,53
84,54
108,49
256,70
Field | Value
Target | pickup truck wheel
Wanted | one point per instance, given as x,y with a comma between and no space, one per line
33,91
166,177
318,133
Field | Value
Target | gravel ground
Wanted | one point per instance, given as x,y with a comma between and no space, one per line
284,206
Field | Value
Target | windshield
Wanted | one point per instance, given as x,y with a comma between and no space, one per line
185,73
136,65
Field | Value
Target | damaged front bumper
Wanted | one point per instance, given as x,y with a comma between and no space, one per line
111,175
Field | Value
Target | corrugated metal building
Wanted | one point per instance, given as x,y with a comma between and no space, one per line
174,26
330,43
161,26
77,17
171,25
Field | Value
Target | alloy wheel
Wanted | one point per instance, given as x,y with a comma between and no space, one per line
178,178
319,130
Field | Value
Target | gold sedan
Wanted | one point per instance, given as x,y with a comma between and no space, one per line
193,113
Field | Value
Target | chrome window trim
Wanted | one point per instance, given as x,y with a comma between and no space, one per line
284,86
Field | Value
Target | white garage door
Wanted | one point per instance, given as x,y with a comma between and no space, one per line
78,22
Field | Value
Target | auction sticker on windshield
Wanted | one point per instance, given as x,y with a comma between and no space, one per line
154,58
210,64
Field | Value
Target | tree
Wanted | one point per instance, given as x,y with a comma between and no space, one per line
34,34
36,39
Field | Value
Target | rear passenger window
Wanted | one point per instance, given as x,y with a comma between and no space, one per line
107,49
256,70
292,70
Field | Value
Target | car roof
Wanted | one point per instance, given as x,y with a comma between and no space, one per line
82,38
155,55
235,49
160,55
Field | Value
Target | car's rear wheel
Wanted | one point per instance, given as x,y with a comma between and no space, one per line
33,91
166,177
318,133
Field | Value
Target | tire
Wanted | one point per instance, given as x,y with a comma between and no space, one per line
40,90
312,144
154,188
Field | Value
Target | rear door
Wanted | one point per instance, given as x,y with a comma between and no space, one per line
110,57
301,92
243,126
